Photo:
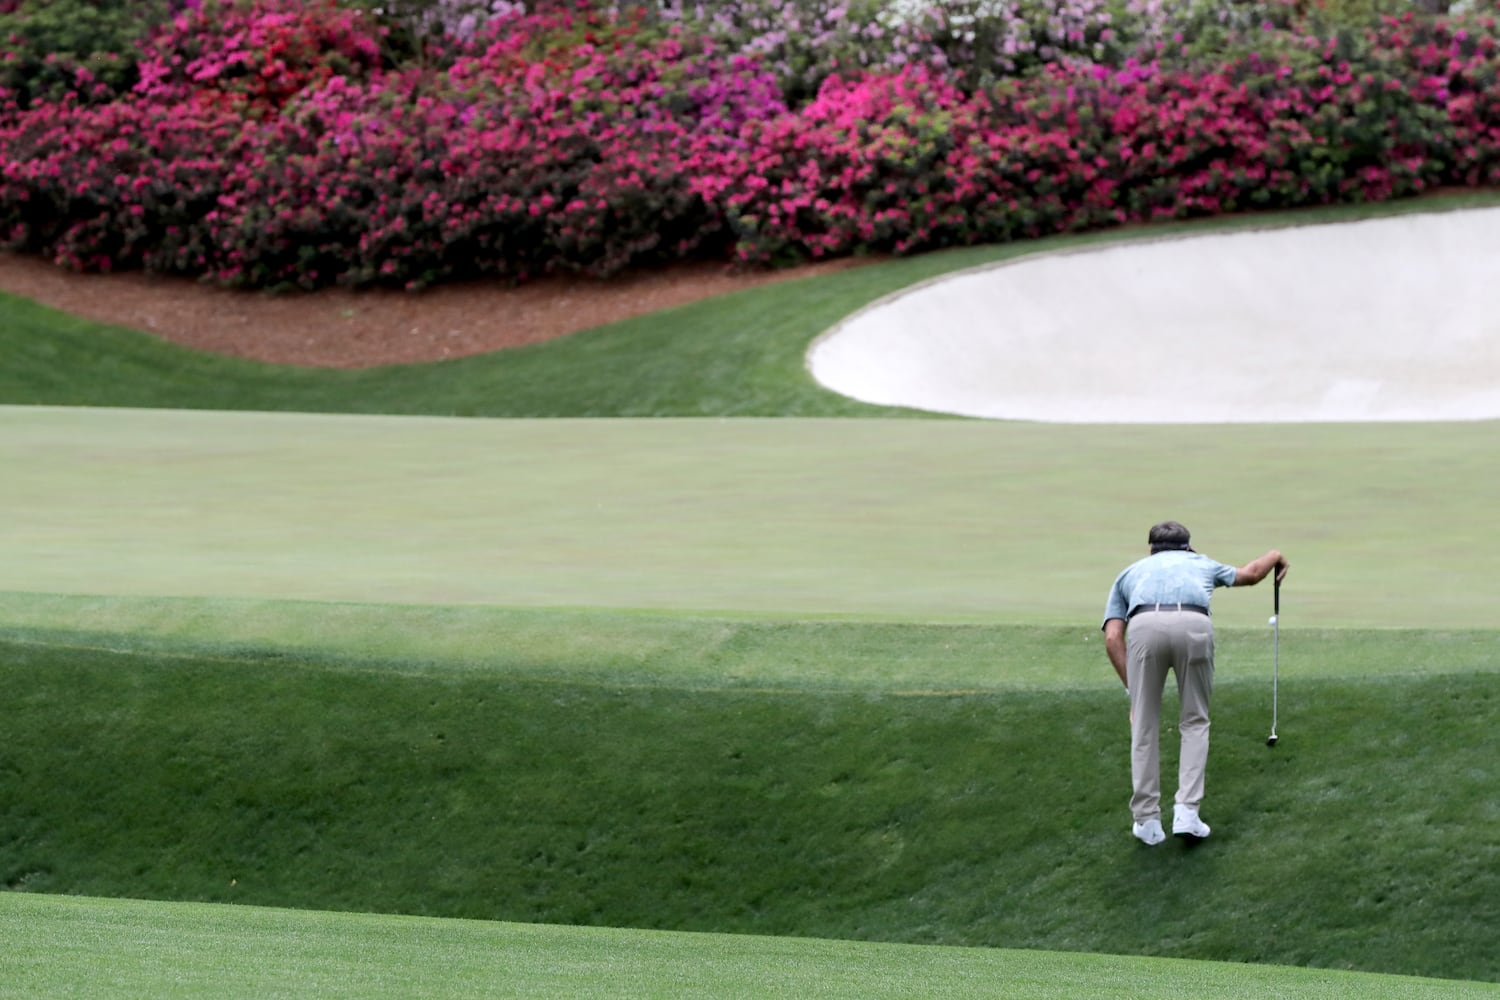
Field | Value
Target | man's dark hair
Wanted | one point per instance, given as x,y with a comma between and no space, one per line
1169,536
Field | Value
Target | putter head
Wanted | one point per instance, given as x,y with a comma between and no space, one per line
1271,740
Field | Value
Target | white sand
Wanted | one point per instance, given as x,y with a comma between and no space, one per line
1384,319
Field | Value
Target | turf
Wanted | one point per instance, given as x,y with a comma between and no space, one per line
927,520
120,947
987,818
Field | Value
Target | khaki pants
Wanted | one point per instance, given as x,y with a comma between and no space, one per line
1157,642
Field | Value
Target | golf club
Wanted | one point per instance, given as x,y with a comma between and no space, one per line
1276,654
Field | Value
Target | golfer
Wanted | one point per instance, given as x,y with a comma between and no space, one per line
1157,620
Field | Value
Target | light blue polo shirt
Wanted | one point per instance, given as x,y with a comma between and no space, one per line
1172,577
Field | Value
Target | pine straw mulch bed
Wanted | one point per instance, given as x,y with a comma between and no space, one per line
339,328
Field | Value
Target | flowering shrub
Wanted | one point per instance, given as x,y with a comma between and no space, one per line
565,144
116,186
255,54
434,32
267,145
900,163
1456,66
57,47
801,41
875,164
805,41
1006,37
462,19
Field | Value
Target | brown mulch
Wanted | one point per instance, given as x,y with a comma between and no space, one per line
339,328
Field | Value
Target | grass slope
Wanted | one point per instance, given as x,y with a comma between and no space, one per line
1366,840
736,355
938,520
189,950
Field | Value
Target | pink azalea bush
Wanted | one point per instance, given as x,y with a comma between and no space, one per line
897,163
255,54
562,145
269,144
565,144
1455,65
882,163
114,186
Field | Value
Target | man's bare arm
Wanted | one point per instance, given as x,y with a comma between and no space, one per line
1114,645
1256,570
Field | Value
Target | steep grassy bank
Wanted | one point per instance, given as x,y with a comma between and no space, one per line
1365,840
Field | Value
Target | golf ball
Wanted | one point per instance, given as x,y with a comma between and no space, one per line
1271,620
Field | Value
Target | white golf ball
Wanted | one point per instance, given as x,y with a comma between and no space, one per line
1272,620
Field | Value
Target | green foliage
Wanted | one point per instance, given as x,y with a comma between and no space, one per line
1335,15
85,47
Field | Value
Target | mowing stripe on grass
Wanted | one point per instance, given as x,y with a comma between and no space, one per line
933,520
633,648
64,946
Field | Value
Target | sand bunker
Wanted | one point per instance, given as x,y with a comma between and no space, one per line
1384,319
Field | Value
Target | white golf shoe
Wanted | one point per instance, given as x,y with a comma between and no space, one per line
1149,833
1185,823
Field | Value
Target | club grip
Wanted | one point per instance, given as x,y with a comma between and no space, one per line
1276,592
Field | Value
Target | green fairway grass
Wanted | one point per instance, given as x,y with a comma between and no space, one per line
927,520
735,355
256,953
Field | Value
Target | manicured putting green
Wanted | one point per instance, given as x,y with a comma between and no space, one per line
924,520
